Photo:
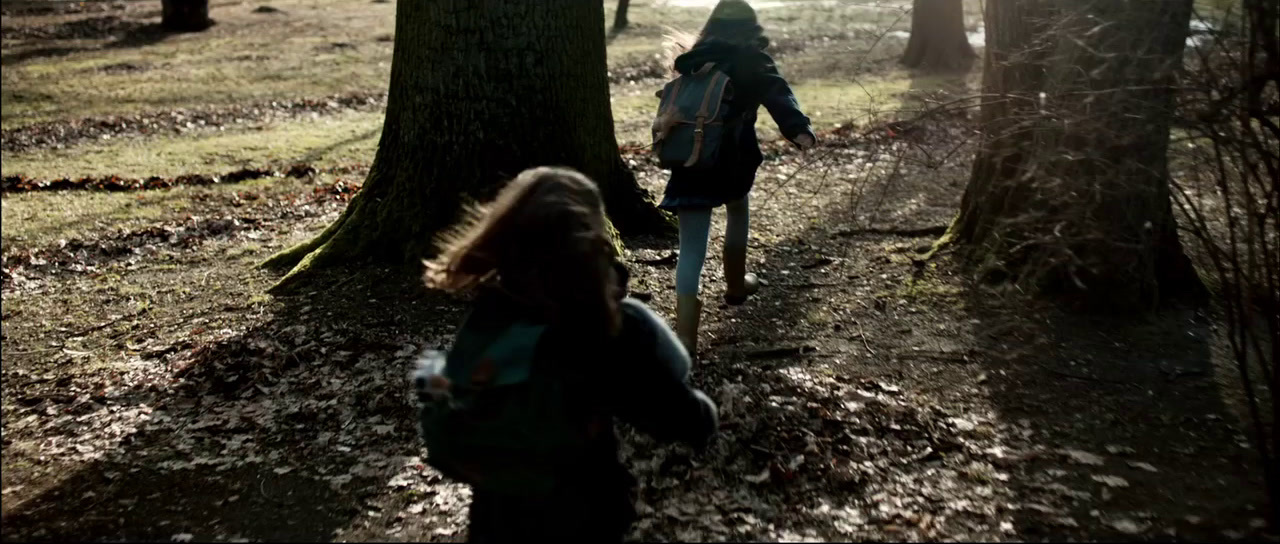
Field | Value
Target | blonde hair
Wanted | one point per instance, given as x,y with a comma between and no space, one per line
543,240
676,42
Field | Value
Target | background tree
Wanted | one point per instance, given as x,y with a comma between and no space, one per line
480,90
1229,199
938,41
184,15
1069,191
620,16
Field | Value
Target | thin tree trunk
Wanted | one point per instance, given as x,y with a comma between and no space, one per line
620,16
184,15
1069,192
480,90
938,42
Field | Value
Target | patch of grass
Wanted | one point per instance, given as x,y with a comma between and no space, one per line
827,102
339,139
245,57
39,219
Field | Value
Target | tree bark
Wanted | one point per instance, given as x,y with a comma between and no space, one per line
620,16
480,90
184,15
938,42
1069,192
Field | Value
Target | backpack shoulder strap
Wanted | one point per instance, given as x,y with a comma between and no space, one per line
715,88
494,356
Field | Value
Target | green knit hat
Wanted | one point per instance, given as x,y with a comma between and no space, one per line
734,10
734,21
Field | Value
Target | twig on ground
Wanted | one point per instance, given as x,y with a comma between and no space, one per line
932,230
863,334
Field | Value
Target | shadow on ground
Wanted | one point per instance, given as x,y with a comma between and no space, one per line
871,397
1143,398
278,432
94,33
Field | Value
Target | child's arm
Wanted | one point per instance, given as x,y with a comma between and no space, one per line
777,97
654,394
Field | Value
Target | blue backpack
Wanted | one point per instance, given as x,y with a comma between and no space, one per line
689,128
489,420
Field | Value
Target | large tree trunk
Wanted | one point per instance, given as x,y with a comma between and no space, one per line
938,42
620,16
184,15
1069,191
481,90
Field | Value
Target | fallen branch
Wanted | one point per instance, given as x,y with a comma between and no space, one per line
1085,378
932,230
777,352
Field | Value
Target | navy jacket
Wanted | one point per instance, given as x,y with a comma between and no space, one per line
756,82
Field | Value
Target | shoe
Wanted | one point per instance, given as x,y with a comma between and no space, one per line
739,285
688,313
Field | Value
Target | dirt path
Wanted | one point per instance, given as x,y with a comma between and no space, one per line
865,395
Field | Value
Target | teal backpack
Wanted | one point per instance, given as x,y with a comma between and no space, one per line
488,420
690,126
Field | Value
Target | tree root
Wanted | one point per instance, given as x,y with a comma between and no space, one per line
946,240
330,245
342,242
289,258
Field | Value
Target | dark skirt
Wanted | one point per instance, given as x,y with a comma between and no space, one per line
708,188
588,513
730,179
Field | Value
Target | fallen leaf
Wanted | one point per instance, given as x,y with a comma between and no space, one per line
758,478
795,462
1113,481
1083,457
1128,526
283,470
1144,466
182,537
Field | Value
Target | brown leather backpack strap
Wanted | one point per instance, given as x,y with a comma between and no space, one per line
702,119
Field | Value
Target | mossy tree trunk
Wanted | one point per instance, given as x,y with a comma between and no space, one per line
1069,192
938,42
184,15
480,90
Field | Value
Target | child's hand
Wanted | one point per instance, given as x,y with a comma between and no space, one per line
805,142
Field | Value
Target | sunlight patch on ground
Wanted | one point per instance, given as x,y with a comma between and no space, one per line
27,221
339,139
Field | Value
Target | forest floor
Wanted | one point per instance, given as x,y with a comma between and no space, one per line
152,391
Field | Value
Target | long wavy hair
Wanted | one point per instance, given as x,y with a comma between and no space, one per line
544,242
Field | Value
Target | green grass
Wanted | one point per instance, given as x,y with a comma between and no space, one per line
40,219
245,57
248,57
339,139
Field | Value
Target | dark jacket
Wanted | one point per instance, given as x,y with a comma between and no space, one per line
756,82
639,377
